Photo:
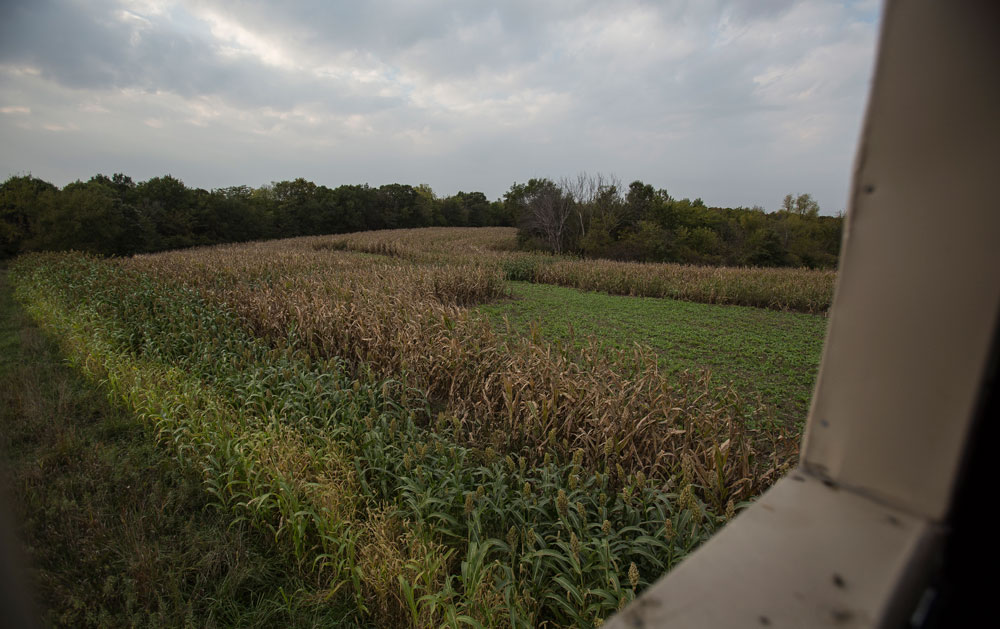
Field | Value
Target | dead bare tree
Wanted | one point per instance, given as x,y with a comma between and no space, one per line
560,213
549,210
592,194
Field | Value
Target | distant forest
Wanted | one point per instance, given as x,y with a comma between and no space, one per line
592,216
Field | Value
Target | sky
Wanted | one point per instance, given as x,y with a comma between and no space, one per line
735,102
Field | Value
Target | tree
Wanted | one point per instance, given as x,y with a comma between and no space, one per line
498,216
803,205
297,211
546,214
83,216
475,208
238,215
640,201
19,202
165,203
137,231
428,206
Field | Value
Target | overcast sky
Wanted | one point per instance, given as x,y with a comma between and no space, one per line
736,102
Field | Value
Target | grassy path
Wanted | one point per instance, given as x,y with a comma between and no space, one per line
114,532
762,352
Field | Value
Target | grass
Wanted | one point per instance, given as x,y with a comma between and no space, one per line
389,453
412,323
766,353
785,289
370,500
115,532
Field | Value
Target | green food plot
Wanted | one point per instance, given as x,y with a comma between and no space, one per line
761,352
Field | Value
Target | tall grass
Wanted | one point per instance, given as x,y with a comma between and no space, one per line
516,394
115,532
801,290
422,517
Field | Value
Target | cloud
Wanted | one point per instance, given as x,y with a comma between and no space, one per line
736,102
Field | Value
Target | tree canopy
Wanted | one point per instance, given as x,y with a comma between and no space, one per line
596,216
590,215
117,216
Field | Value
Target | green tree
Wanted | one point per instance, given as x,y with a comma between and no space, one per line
296,210
640,202
83,216
165,203
476,208
428,206
803,205
398,205
19,202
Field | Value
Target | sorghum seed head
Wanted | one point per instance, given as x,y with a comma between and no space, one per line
512,537
687,469
606,527
562,503
686,499
633,575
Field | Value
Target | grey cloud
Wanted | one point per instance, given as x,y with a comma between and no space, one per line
465,94
93,48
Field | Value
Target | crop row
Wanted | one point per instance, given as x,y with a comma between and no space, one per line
408,323
371,493
801,290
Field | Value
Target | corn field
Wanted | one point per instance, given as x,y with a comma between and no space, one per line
340,394
800,290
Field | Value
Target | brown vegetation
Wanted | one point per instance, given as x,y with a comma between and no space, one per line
407,321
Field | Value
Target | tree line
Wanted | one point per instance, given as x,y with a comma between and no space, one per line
117,216
595,216
590,216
